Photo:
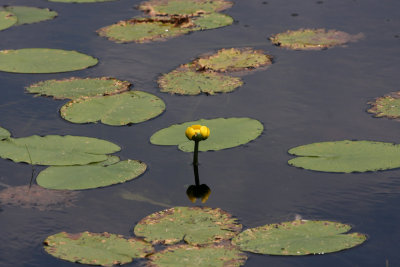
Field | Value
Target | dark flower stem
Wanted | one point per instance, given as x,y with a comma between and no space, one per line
196,153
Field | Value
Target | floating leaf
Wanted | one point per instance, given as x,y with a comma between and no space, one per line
234,60
186,255
386,106
313,39
193,225
77,87
300,237
7,19
346,156
186,81
28,15
4,134
96,248
120,109
211,21
80,1
225,133
89,176
56,150
183,7
43,60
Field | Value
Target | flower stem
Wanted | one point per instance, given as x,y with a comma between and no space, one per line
196,153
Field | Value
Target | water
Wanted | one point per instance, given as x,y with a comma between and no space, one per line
303,97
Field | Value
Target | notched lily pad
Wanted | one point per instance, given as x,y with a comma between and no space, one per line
347,156
300,237
90,176
4,133
386,106
73,88
43,60
234,59
7,19
225,133
28,15
186,255
193,225
96,248
313,39
116,110
183,7
188,81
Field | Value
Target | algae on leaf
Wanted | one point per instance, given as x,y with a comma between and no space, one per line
28,15
96,248
195,225
7,19
386,106
299,237
346,156
43,60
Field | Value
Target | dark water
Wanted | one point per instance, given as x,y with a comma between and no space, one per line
304,97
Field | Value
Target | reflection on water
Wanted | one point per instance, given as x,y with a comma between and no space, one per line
198,191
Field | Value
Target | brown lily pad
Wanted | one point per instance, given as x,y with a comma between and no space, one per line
386,106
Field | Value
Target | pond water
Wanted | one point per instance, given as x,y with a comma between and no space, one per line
304,97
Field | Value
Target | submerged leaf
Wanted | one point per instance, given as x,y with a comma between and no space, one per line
28,15
225,133
4,133
43,60
96,248
193,225
300,237
386,106
347,156
120,109
7,19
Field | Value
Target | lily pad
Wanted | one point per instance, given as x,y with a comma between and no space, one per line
300,237
196,226
183,7
386,106
96,248
56,150
225,133
120,109
43,60
211,21
187,81
142,30
347,156
234,60
89,176
7,19
28,15
4,134
186,255
313,39
77,87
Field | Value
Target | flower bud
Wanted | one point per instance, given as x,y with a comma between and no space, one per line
197,132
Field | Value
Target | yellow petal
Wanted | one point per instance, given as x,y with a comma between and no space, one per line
205,132
190,132
196,126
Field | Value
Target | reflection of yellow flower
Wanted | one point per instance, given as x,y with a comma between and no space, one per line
197,132
198,191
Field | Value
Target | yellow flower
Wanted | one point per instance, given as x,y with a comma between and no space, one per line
197,132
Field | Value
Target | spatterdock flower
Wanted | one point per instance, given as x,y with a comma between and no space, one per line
197,132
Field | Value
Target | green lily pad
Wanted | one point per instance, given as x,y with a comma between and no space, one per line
56,150
313,39
7,19
211,21
96,248
183,7
234,60
89,176
186,255
43,60
80,1
142,30
386,106
4,134
300,237
187,81
347,156
28,15
120,109
225,133
194,225
73,88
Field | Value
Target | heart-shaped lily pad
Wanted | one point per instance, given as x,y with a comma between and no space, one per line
313,39
347,156
7,19
4,134
300,237
225,133
28,15
234,59
211,21
96,248
43,60
187,81
120,109
73,88
89,176
193,225
186,255
386,106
